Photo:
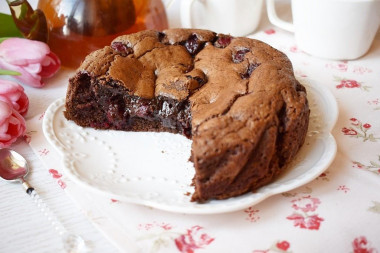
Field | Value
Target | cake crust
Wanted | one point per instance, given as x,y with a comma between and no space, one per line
237,98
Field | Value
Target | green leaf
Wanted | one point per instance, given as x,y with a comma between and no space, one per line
375,208
9,72
372,138
366,88
4,38
8,27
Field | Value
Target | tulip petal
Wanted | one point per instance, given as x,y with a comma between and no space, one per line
5,112
13,93
33,69
10,87
12,125
32,59
50,65
25,77
18,51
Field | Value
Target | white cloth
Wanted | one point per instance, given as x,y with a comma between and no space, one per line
337,212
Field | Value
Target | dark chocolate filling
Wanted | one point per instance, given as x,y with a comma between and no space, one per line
107,105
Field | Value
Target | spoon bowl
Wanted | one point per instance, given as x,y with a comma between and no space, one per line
13,166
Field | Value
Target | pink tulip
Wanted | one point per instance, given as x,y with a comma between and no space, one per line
13,93
33,59
12,125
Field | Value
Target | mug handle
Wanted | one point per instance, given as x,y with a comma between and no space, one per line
186,7
275,20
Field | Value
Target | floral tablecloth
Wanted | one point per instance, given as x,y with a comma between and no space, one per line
337,212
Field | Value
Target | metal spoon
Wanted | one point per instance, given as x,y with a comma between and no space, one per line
13,167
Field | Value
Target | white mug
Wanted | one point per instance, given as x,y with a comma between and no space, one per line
234,17
332,29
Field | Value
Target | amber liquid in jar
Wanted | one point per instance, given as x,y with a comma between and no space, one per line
78,27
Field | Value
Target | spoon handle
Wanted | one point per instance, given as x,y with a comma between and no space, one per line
72,243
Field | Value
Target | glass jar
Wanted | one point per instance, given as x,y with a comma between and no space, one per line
77,27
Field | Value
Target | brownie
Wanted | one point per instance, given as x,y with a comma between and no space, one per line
236,98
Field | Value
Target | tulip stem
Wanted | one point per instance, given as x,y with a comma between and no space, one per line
9,72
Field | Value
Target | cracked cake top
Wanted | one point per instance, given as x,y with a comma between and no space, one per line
211,70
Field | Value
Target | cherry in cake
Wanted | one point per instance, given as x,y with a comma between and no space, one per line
236,98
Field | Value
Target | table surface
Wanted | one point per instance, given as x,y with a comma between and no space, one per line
23,228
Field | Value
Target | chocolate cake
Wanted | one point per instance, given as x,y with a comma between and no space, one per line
236,98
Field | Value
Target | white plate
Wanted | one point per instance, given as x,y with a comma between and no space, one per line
152,169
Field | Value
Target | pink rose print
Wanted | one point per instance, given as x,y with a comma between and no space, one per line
355,121
306,204
349,131
56,175
41,116
192,240
350,84
284,245
366,125
359,130
61,184
375,103
166,226
252,217
361,70
309,222
294,49
279,246
373,166
357,165
43,152
343,188
343,66
361,245
149,226
300,73
304,217
270,31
